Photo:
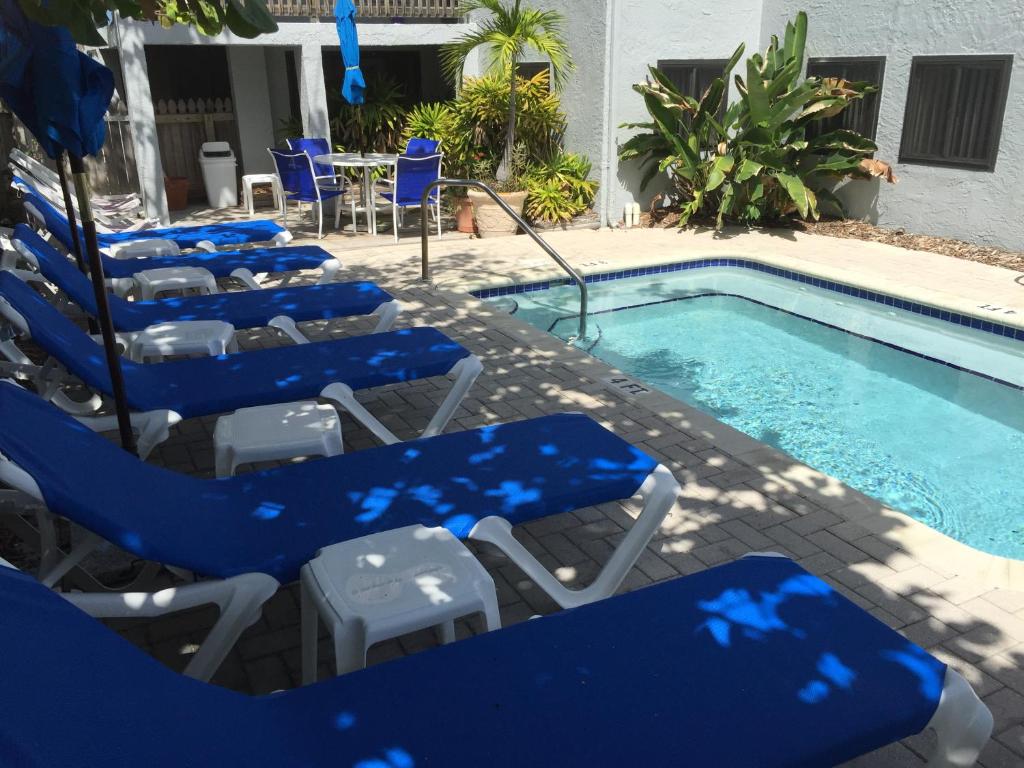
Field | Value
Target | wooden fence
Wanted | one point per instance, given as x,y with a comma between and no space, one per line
369,9
182,127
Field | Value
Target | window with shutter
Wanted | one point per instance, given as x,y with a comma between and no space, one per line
861,115
691,77
954,113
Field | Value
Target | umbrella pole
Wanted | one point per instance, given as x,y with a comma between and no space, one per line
69,208
103,308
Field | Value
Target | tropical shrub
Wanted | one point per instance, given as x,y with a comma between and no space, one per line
506,33
761,162
472,131
374,126
559,187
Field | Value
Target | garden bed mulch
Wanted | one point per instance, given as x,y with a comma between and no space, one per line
860,230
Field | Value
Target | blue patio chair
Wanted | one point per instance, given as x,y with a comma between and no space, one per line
207,237
278,307
274,521
333,370
240,265
420,146
636,680
412,175
326,176
302,185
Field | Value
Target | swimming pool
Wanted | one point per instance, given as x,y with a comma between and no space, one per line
920,412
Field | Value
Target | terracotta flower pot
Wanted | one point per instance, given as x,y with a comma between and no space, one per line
491,220
464,216
177,192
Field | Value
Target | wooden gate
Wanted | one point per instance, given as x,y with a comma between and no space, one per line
182,127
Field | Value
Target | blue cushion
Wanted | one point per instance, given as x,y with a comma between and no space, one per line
243,309
205,385
275,520
326,193
798,676
223,263
251,231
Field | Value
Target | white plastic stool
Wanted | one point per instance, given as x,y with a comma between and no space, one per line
274,432
155,281
388,584
189,337
249,180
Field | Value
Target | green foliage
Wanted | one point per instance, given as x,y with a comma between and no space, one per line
559,187
506,34
471,129
758,164
376,125
288,128
245,18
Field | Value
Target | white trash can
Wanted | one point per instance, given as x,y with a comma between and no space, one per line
218,164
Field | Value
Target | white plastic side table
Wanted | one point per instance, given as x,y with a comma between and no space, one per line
388,584
189,337
152,282
251,179
275,432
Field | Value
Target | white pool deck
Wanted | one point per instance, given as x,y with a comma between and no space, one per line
738,496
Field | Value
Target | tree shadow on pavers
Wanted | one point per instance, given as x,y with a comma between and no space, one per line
737,497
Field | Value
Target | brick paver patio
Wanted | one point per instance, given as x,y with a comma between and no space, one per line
737,497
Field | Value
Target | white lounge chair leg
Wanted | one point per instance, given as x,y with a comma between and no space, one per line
466,372
962,723
247,278
281,239
288,327
328,270
206,245
659,492
240,599
343,397
387,313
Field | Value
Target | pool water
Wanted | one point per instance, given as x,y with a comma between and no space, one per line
940,444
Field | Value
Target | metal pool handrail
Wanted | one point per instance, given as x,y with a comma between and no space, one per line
425,259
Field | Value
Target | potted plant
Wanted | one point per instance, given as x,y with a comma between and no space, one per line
176,188
491,220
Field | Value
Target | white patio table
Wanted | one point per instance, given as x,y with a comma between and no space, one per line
367,161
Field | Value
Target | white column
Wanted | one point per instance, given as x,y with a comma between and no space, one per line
251,96
142,119
313,93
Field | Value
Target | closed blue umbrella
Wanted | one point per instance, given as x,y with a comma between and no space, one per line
61,96
353,86
59,93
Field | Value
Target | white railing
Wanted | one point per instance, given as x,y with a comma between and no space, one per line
368,9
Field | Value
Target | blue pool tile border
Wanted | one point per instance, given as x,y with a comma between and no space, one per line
944,315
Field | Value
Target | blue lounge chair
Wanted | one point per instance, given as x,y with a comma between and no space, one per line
280,307
206,237
799,677
333,370
240,265
274,521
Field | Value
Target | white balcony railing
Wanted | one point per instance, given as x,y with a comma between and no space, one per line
368,9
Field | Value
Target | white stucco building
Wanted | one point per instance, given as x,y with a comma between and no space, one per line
949,115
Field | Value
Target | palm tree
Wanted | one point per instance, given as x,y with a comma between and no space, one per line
506,34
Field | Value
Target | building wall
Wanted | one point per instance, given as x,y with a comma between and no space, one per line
975,205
